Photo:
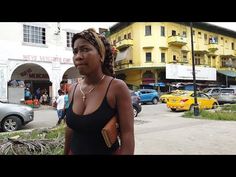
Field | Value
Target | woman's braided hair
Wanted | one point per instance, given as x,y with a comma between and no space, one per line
105,52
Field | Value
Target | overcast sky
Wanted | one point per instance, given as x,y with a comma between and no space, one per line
84,25
228,25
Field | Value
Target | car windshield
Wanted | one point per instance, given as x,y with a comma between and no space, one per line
206,90
180,94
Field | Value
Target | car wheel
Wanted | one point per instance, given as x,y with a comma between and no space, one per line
11,123
154,101
135,111
214,106
172,109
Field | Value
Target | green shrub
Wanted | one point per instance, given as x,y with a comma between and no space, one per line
229,107
223,114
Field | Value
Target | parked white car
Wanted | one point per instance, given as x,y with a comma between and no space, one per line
14,116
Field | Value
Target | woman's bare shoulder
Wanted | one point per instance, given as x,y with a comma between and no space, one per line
119,83
72,86
119,86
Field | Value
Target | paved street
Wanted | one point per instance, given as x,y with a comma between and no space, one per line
43,117
165,132
160,131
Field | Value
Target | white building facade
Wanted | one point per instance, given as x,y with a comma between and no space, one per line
36,53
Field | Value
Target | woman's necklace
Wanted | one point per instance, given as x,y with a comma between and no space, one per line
84,94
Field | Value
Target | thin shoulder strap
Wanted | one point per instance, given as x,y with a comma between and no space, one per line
74,93
109,86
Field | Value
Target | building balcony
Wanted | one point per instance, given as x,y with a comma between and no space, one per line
123,65
177,40
124,43
212,47
181,62
228,53
200,48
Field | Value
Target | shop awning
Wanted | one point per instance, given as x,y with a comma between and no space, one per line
227,73
124,55
160,84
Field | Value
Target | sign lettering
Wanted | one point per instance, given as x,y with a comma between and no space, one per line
49,59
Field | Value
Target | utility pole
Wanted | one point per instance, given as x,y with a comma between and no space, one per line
196,108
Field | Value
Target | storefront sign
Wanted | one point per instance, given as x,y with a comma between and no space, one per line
38,76
26,72
148,80
178,71
29,73
47,59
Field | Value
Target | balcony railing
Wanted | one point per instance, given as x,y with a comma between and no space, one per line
119,65
212,47
124,43
178,62
177,40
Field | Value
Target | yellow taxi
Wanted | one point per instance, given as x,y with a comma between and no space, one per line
185,101
164,97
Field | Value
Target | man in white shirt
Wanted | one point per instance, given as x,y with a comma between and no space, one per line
60,106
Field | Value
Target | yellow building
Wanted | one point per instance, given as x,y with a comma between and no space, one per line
146,47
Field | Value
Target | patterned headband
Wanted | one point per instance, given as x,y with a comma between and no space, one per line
90,37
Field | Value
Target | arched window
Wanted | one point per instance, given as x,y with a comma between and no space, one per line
148,77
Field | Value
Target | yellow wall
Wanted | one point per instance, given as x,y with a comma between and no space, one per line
157,44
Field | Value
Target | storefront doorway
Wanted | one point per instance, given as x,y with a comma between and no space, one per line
31,76
70,76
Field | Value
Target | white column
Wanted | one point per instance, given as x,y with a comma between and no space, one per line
56,78
3,79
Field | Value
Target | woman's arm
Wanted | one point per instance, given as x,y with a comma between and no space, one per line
68,135
125,116
68,131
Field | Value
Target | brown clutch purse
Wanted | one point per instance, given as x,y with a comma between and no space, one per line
110,132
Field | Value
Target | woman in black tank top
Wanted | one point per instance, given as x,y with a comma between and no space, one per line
96,99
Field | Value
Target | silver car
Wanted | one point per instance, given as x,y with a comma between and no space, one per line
227,95
213,91
223,95
14,116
